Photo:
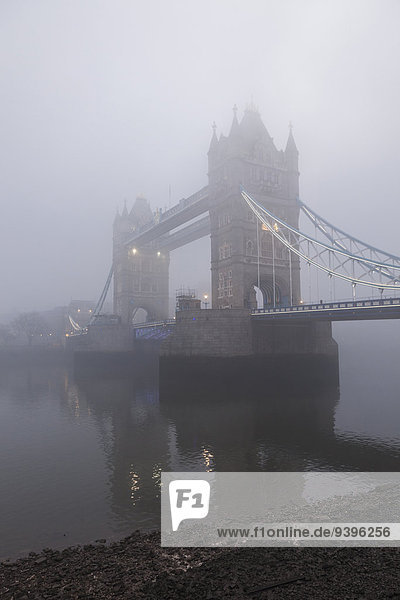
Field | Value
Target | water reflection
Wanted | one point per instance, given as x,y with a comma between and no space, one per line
82,456
225,426
136,449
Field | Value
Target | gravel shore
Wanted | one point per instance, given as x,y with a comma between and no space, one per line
137,567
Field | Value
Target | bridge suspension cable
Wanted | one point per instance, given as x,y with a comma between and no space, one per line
334,256
102,298
339,238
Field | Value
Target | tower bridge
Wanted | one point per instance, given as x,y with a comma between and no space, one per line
251,210
241,252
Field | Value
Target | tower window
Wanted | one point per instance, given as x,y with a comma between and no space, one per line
145,286
224,219
254,174
146,265
266,244
225,284
225,251
249,248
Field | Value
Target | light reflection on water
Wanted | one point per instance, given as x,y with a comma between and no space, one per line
82,459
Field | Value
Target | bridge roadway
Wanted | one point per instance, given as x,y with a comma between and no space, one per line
357,310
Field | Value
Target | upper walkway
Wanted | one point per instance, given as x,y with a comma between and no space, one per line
176,217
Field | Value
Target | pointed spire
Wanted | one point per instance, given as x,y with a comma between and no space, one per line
291,144
125,211
235,129
141,213
214,139
251,107
235,135
252,127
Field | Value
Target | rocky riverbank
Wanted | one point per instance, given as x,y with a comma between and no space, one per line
138,568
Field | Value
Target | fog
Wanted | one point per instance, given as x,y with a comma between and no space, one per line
102,101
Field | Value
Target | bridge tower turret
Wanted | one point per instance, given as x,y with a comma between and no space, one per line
292,165
240,257
140,274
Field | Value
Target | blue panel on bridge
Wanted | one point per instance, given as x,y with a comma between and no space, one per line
154,331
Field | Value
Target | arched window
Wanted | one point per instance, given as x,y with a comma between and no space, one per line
225,251
225,284
249,248
266,244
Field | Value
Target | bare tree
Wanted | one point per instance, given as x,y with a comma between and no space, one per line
30,324
6,335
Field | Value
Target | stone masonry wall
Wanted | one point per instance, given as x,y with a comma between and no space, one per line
210,332
227,333
293,336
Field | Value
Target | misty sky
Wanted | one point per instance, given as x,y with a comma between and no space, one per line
105,100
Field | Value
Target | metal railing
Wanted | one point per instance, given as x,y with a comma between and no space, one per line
171,212
153,331
146,324
328,306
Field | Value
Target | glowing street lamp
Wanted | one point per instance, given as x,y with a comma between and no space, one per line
205,296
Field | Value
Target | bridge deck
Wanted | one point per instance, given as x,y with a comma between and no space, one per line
157,330
358,310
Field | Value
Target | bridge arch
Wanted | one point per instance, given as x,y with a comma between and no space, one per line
142,311
266,290
139,315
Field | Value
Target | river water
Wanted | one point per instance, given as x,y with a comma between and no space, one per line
80,459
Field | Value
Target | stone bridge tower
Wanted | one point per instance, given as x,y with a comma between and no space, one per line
248,157
140,274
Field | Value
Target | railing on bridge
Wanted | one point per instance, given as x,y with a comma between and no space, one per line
329,308
184,203
158,330
171,212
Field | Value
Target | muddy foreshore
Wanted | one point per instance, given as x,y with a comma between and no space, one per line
138,567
